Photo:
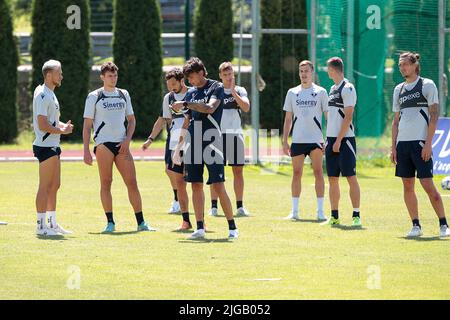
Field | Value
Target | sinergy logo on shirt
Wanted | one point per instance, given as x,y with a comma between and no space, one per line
306,103
114,106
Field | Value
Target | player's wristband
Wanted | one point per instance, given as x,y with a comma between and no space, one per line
151,139
185,104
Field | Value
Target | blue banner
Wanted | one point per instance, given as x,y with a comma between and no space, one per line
441,147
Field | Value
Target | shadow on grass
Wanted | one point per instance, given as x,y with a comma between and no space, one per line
348,228
123,233
52,238
308,221
183,231
224,240
239,216
424,239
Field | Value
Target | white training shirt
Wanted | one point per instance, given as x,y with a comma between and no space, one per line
177,123
231,116
335,119
109,114
412,126
308,106
45,104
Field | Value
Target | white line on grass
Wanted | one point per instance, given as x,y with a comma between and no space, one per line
268,279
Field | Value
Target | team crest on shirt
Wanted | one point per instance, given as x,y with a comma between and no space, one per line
43,96
314,94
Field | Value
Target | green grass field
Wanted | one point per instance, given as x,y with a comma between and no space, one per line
273,258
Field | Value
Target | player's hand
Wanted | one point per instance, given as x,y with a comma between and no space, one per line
124,146
233,84
176,158
427,152
394,155
286,149
337,146
87,157
177,106
146,145
67,128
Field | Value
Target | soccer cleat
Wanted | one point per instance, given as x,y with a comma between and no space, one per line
214,212
61,230
185,226
110,228
416,231
47,232
145,227
321,216
175,207
356,222
233,234
332,222
293,216
242,212
444,231
198,234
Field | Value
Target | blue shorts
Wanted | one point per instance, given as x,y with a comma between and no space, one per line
209,155
409,161
344,162
298,149
45,153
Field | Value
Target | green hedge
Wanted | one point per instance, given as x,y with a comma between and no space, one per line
138,54
52,39
8,75
213,27
279,56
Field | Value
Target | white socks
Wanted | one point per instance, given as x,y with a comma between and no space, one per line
320,202
51,219
295,204
41,221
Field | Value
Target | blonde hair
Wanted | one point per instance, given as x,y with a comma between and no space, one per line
49,66
225,66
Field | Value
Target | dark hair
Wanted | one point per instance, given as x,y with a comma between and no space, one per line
176,73
108,67
194,65
413,58
336,63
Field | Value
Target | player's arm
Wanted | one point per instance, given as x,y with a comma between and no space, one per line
131,127
395,123
348,118
207,108
87,127
42,119
157,128
434,117
45,126
286,130
242,102
176,159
